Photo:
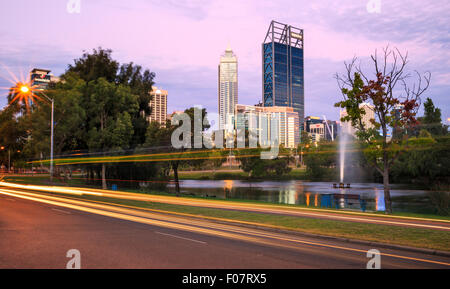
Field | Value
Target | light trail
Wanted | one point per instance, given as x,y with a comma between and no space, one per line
174,156
226,231
263,208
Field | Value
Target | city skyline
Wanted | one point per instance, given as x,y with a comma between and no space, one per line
190,72
210,136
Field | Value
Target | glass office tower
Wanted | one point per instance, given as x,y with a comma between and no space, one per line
282,59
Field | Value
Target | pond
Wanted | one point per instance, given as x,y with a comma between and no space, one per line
314,194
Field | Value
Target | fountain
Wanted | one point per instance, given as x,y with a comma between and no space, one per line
343,141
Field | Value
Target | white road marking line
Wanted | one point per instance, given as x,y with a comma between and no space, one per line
61,211
175,236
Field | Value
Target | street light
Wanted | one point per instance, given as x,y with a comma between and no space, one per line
24,89
28,92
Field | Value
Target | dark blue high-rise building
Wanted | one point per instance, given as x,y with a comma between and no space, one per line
283,76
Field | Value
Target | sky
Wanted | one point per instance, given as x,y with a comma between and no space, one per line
182,41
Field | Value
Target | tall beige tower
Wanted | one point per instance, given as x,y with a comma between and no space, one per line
227,89
158,105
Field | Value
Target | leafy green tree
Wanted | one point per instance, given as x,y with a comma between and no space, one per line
110,107
92,66
217,157
387,103
255,166
431,121
141,83
107,125
13,136
69,118
161,137
428,163
100,64
319,159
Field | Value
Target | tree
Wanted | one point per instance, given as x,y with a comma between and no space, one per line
99,63
69,118
13,135
110,107
391,108
319,159
116,102
141,83
431,121
255,166
161,137
92,66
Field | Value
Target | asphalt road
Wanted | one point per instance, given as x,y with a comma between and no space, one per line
37,232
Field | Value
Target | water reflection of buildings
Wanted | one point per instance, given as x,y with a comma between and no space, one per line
379,200
290,195
309,198
227,187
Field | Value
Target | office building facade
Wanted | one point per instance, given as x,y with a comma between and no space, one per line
320,129
227,89
283,74
346,126
41,78
269,123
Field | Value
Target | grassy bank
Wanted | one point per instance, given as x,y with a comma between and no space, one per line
294,174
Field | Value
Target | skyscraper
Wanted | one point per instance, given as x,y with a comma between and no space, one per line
158,105
282,60
227,89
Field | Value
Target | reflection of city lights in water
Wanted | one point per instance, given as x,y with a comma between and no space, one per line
288,196
379,200
227,187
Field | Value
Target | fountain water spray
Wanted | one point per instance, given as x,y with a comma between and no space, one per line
343,140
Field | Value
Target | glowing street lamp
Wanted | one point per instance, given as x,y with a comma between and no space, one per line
24,89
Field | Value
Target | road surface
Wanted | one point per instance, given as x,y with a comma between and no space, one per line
36,231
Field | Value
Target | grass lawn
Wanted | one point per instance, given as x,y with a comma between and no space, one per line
294,174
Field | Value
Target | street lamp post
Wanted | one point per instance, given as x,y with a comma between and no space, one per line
25,89
51,140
